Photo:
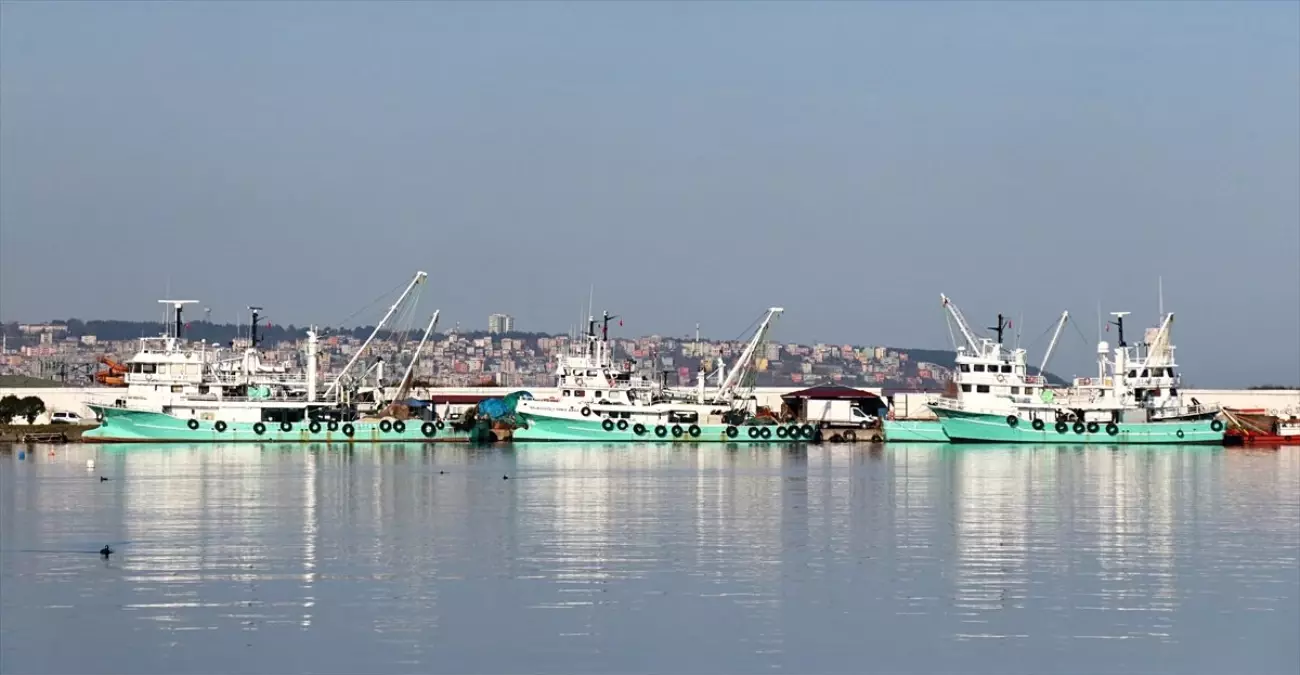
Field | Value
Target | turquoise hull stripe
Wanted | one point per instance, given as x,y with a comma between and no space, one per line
557,429
914,431
983,427
122,425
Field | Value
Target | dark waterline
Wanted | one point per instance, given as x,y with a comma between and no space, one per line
283,559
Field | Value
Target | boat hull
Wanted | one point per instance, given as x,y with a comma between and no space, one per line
123,425
543,428
961,426
914,431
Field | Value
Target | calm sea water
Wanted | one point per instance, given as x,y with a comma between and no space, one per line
285,559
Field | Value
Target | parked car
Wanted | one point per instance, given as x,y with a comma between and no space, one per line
66,418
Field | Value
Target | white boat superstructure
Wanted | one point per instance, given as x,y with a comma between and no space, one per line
1139,376
201,381
594,386
991,378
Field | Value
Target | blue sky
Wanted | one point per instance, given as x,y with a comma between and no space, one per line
695,162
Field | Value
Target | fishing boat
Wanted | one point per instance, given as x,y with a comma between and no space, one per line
604,401
179,391
986,375
1259,426
1134,399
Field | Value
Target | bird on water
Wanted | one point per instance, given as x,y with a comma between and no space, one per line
106,551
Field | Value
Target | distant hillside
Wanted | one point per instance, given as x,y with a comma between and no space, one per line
220,333
273,335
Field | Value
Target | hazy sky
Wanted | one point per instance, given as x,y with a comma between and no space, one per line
694,161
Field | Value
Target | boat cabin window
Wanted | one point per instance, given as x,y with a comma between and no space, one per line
1170,373
1015,391
683,416
567,393
979,367
1144,373
591,373
1029,391
579,393
283,414
965,388
964,367
982,389
1006,369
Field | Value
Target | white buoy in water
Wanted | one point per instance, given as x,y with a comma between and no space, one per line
90,465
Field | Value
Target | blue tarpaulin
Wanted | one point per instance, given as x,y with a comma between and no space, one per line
501,408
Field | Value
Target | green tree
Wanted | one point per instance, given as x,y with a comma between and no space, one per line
31,407
8,409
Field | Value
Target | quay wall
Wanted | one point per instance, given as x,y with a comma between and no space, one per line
73,399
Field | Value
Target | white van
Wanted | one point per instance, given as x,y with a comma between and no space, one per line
65,418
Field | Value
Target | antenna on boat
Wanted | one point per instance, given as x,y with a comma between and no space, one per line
605,330
178,305
1002,324
1119,323
252,335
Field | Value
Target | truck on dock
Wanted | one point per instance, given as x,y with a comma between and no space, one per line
838,413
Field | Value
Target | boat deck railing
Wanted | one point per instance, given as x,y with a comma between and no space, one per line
1186,411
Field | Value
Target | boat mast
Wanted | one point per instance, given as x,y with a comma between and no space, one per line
1051,346
311,364
410,367
961,323
1158,351
741,367
1119,323
178,305
1002,325
419,277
